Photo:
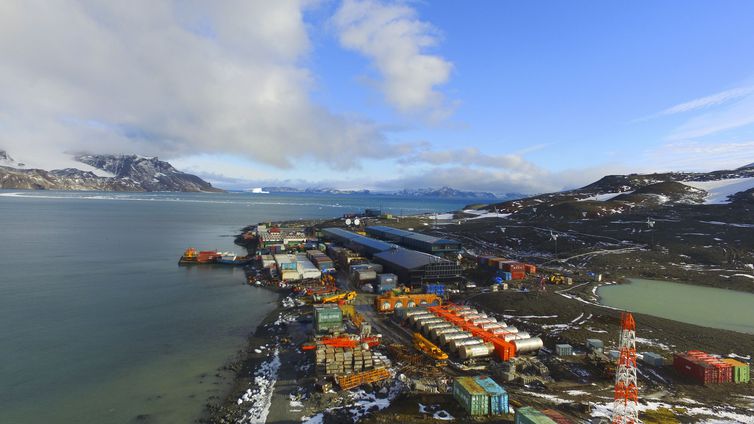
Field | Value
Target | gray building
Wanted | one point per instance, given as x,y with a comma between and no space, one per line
416,268
412,240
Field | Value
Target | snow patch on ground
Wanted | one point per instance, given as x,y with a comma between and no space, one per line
719,190
604,196
722,414
260,395
744,275
443,415
577,392
655,343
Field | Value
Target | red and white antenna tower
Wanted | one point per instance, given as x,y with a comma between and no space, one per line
626,405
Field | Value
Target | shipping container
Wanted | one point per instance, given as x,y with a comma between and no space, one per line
595,344
506,276
741,371
518,275
438,289
327,317
387,279
557,416
498,397
529,415
530,269
471,396
653,359
513,267
563,349
694,368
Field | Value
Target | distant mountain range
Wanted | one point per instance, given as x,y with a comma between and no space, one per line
443,192
114,173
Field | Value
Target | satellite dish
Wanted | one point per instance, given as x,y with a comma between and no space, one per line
348,221
356,221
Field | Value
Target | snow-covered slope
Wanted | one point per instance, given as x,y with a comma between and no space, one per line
718,191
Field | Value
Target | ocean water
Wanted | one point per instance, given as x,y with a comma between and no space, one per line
97,321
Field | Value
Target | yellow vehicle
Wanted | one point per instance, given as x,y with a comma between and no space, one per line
556,279
428,348
338,297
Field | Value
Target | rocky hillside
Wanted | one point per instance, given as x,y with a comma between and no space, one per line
127,173
618,194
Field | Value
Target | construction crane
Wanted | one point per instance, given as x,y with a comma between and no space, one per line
626,404
336,298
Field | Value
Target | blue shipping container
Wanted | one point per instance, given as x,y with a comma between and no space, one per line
497,395
438,289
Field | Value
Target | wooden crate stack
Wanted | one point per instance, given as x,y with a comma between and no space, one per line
342,361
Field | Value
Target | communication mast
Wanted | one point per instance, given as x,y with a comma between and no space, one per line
626,404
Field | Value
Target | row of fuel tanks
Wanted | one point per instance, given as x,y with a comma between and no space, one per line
461,343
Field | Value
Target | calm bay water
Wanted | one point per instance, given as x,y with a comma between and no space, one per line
97,321
705,306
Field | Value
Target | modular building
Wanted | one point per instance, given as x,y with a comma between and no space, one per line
412,240
653,359
416,268
563,349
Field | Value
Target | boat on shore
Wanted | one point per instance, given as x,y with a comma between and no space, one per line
193,257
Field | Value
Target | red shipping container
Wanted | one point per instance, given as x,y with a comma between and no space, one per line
556,416
512,266
692,367
518,275
530,269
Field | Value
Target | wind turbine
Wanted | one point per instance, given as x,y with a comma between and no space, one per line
651,225
554,237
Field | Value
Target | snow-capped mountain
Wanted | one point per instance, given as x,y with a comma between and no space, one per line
102,173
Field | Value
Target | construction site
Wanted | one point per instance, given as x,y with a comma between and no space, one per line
382,324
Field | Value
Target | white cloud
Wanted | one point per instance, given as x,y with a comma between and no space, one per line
169,79
738,115
710,101
471,156
395,40
700,156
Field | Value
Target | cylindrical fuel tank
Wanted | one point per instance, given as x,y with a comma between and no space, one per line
447,337
475,351
528,345
456,344
429,327
419,324
435,333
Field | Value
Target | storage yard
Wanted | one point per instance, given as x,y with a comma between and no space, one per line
386,324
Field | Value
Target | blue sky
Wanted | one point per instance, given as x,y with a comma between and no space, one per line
488,95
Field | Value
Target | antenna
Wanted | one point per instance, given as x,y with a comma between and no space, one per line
626,405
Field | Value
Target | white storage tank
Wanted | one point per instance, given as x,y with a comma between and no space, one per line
448,337
421,323
436,332
528,345
426,329
456,344
475,351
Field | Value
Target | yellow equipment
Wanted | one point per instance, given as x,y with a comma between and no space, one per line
339,297
355,380
429,349
556,279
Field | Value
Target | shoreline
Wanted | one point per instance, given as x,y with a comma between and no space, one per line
247,360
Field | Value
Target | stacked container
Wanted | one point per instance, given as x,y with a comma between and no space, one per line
703,368
498,397
480,396
741,372
529,415
327,318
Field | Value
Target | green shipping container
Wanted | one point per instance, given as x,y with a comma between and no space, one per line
529,415
741,370
471,396
327,317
